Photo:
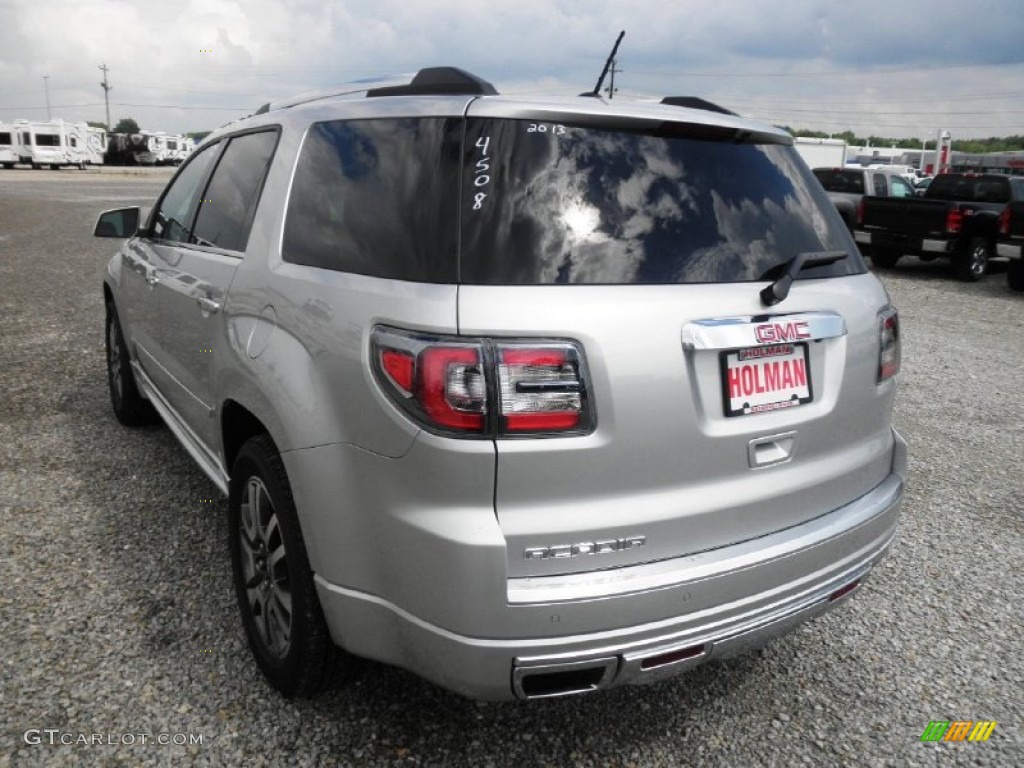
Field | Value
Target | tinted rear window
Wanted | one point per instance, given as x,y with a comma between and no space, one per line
835,180
556,204
969,189
377,197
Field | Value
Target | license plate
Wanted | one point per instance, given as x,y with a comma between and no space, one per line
759,379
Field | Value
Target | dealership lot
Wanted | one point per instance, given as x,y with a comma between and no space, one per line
117,617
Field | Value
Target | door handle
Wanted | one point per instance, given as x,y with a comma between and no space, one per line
152,279
207,304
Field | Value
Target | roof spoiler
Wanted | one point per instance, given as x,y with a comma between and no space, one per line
694,102
439,81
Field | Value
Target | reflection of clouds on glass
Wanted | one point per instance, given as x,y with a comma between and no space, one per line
607,194
595,206
755,235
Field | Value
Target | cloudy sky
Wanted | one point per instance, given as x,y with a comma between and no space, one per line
884,67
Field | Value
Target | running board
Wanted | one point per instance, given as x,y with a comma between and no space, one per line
207,462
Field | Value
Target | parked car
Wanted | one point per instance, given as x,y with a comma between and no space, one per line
922,184
846,187
532,397
957,218
1011,237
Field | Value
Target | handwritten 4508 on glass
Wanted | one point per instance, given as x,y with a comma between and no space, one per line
481,175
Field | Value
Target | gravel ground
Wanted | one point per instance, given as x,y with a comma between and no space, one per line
117,616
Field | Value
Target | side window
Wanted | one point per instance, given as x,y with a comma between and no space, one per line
173,218
378,197
229,203
900,188
880,187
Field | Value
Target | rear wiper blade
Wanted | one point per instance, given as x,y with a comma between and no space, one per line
779,289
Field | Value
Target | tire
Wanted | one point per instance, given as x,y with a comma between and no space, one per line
1015,274
884,259
130,407
280,610
971,263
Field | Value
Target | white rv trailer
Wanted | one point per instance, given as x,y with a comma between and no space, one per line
174,153
10,141
156,148
95,145
821,153
54,143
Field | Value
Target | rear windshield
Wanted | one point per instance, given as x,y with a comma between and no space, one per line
546,203
837,180
969,189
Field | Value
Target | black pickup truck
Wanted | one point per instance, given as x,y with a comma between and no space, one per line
958,217
1011,238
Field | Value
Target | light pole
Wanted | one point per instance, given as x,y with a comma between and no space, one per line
46,87
106,93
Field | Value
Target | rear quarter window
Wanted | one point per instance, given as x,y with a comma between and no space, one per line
835,180
377,197
546,204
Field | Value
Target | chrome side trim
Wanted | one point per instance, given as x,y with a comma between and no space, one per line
861,236
206,459
738,332
705,565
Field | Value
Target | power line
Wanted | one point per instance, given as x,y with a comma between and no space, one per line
831,73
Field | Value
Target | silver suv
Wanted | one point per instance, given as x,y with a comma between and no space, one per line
529,397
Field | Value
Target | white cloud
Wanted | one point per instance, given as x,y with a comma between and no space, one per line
875,67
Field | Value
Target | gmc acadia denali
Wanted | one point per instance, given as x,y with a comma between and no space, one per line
530,397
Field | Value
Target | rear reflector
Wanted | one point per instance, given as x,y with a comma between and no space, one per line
672,656
843,591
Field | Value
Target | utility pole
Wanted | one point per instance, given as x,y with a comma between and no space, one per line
106,93
46,87
611,83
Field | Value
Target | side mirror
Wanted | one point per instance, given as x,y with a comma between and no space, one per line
123,222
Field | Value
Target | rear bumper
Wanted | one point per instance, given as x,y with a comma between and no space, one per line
1010,250
646,622
904,243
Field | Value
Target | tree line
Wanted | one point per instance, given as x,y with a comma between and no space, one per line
992,144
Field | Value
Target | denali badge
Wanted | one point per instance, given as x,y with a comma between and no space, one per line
604,547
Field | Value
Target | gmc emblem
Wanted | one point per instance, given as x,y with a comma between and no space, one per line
604,547
769,333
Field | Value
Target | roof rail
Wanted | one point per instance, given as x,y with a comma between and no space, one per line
439,81
694,102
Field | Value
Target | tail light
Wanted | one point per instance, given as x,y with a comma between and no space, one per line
888,344
1004,221
954,220
484,387
860,212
